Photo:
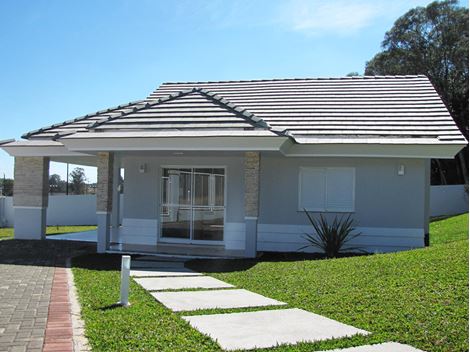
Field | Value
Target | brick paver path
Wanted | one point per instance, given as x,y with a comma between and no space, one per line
24,302
59,323
27,272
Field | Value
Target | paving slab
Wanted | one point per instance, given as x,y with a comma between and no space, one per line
155,264
194,300
163,272
176,283
269,328
381,347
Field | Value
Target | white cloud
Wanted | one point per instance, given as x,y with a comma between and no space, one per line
311,17
343,17
337,16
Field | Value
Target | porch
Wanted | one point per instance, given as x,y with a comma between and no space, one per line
160,249
169,203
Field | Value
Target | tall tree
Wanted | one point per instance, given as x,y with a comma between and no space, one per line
7,187
432,40
55,184
78,180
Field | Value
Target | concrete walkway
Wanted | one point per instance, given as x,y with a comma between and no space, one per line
85,236
245,330
381,347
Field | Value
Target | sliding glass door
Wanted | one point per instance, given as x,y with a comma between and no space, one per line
193,204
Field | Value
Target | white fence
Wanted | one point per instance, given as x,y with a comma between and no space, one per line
448,200
62,210
81,210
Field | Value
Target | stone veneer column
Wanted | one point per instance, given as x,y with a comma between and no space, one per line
252,160
104,198
30,197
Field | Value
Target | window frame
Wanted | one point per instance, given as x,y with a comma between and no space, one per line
325,208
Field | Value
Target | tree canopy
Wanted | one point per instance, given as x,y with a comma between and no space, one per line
433,41
78,180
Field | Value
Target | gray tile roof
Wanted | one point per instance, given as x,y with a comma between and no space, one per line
79,124
190,109
353,109
329,109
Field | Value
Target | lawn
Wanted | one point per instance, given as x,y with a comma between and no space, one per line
449,229
419,297
7,232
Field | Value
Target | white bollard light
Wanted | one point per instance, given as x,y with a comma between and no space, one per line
125,271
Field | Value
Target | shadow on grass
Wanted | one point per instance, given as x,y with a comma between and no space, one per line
111,307
231,265
54,253
444,217
41,253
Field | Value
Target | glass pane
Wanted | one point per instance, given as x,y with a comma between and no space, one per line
177,223
180,182
198,192
208,224
165,195
201,189
219,190
176,187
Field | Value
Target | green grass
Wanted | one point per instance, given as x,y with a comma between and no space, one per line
7,232
450,229
418,297
144,326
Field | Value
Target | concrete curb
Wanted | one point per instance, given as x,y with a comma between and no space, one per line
80,342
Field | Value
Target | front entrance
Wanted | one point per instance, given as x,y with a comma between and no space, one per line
192,205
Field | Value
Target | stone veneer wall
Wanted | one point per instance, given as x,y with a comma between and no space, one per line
252,160
104,187
31,186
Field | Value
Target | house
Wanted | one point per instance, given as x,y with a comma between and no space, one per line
226,168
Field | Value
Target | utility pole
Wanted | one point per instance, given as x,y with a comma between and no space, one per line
67,181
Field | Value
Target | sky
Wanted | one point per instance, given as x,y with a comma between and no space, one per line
63,59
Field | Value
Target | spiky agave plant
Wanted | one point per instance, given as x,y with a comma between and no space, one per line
331,238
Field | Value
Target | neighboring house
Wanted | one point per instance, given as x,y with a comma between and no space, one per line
228,167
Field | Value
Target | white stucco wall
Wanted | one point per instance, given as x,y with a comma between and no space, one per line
141,220
389,209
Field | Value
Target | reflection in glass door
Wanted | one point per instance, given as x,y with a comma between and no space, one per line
193,204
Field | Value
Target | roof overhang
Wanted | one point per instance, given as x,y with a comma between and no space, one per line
83,150
38,148
373,149
93,143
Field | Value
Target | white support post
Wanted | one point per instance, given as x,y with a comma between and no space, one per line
125,272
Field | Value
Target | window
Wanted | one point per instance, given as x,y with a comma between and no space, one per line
328,189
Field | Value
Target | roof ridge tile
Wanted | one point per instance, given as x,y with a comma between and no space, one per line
247,115
302,79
